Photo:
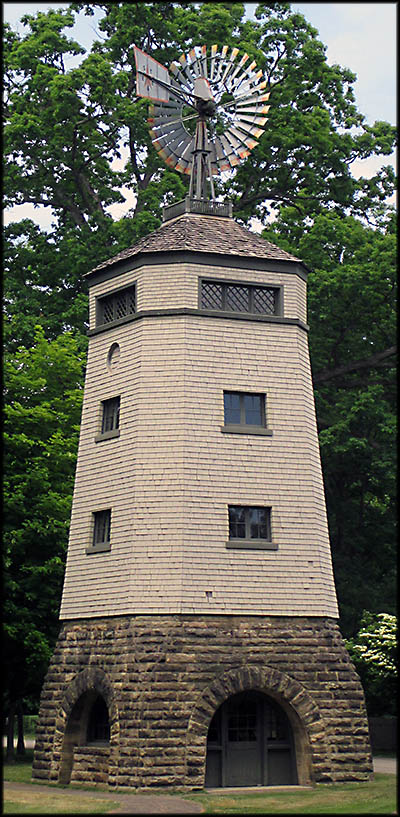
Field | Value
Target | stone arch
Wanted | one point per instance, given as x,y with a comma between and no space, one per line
305,719
73,715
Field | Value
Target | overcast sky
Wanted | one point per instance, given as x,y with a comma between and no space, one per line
359,36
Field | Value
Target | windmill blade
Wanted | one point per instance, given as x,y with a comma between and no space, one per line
183,82
194,63
248,130
242,137
251,97
186,69
254,120
230,65
204,60
220,63
225,155
256,109
212,60
237,69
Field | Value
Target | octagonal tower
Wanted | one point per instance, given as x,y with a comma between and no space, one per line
199,641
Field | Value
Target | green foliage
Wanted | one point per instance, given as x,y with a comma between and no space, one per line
43,398
374,652
352,317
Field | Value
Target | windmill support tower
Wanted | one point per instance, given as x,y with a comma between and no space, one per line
199,643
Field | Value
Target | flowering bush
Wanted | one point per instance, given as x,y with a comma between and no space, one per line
373,651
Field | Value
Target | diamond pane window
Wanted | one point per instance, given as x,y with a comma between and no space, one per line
211,295
237,299
116,305
264,300
108,310
249,523
229,297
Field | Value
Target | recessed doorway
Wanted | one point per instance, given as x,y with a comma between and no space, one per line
250,743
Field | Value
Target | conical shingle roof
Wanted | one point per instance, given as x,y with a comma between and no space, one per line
202,233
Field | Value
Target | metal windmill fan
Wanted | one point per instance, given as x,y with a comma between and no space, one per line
206,115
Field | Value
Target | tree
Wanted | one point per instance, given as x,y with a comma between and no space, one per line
43,397
374,652
65,128
74,137
352,317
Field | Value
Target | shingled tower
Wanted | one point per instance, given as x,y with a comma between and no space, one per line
199,641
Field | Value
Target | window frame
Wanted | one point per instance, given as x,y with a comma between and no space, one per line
115,431
114,294
251,285
243,427
100,546
248,543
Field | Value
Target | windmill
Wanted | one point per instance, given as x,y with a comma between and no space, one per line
206,113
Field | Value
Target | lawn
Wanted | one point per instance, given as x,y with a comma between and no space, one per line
376,797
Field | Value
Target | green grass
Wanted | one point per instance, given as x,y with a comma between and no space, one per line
375,797
56,802
21,770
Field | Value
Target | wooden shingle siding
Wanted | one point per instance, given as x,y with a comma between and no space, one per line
177,286
171,474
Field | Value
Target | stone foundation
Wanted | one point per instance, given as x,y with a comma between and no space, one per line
164,676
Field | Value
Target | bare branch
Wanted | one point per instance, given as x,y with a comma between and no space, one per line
379,359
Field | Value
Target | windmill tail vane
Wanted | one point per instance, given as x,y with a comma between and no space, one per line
207,111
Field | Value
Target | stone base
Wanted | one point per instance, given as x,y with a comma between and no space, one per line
164,676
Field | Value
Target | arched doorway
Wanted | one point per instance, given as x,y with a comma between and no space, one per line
87,732
250,743
98,728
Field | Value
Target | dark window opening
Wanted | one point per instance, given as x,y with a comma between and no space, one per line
116,305
98,730
102,527
244,409
110,419
249,523
240,298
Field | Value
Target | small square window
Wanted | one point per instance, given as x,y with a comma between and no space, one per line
110,418
250,527
244,412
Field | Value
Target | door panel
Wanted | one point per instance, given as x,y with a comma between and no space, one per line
279,767
250,743
213,769
243,742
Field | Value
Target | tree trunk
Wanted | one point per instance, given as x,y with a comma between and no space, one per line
20,721
10,757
